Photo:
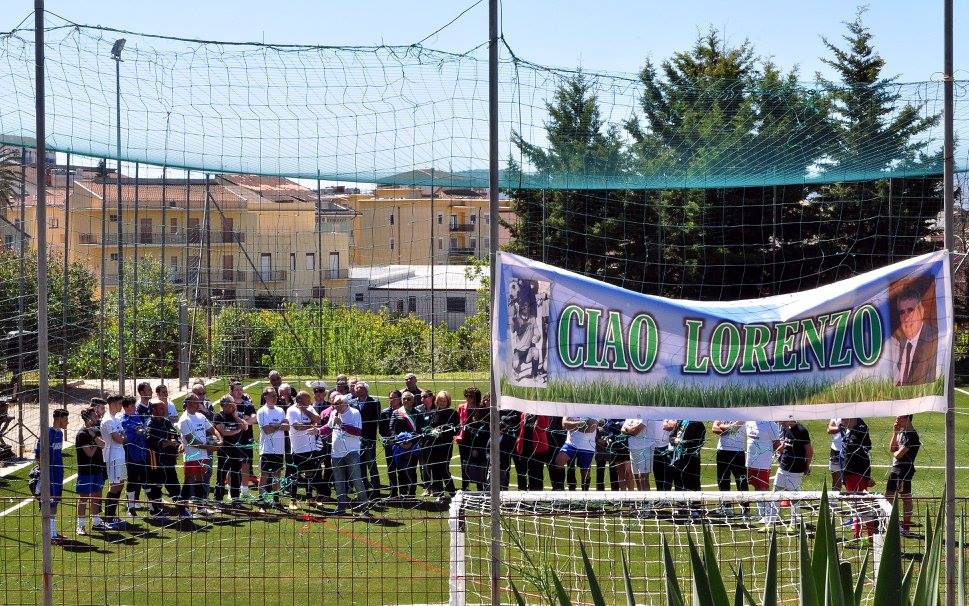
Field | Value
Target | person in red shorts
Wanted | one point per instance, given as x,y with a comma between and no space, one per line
856,473
196,430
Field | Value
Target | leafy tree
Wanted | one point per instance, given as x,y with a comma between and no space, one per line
81,306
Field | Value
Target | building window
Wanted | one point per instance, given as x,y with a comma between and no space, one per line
473,243
8,241
173,226
474,219
292,261
400,306
113,218
310,261
453,221
334,265
319,292
391,218
358,297
440,243
487,243
54,223
440,219
487,219
392,244
456,305
114,256
412,304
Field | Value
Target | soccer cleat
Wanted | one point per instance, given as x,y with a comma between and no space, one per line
99,525
293,505
185,515
81,532
132,512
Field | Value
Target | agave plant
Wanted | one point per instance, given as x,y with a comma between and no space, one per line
825,579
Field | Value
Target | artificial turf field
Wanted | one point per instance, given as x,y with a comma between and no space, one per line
399,556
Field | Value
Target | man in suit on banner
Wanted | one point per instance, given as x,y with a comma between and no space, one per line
916,342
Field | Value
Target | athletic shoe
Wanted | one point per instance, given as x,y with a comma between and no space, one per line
99,525
185,515
81,532
56,539
293,505
908,533
132,512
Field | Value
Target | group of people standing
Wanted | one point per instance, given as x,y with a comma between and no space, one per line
317,442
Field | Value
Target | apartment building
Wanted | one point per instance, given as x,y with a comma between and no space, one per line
423,224
236,238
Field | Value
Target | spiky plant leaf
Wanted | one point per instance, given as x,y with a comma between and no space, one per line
738,594
560,592
674,595
701,584
819,562
847,586
809,588
630,597
927,586
907,584
860,582
718,591
888,584
518,597
834,587
594,589
770,581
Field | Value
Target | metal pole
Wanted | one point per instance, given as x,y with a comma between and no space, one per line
207,219
42,387
117,81
433,318
22,293
319,260
163,277
64,295
950,414
104,274
136,234
494,473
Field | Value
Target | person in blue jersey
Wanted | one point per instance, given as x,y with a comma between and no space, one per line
56,435
135,451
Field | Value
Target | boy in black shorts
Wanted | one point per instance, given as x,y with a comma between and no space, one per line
904,447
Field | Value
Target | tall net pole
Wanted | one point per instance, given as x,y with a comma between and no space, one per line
42,393
949,240
116,52
65,295
495,480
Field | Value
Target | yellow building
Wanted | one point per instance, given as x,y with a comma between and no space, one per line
420,225
235,237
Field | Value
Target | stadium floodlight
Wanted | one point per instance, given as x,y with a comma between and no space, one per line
117,48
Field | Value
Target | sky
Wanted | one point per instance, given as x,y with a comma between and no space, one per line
607,35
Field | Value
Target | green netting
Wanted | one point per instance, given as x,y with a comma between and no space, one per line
371,114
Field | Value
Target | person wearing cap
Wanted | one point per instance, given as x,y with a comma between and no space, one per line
385,429
410,385
303,430
90,472
346,426
369,409
135,451
272,445
323,407
162,438
195,430
113,435
55,433
406,427
246,412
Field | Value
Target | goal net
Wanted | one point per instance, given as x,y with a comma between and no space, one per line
541,532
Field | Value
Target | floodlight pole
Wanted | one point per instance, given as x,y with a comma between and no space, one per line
116,55
494,474
42,387
949,241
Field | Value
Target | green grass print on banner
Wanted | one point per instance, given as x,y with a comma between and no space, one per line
668,393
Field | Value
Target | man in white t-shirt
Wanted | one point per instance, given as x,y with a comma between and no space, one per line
347,426
303,429
640,434
198,441
763,438
272,445
113,435
580,443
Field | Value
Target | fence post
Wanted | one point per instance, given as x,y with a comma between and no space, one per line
183,361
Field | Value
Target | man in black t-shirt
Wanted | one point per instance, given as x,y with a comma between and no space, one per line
855,449
230,427
904,446
90,472
163,440
246,412
795,454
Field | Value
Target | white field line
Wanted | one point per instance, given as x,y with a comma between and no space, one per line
27,502
963,391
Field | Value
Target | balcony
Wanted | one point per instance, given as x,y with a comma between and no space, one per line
462,227
457,253
273,275
336,274
154,237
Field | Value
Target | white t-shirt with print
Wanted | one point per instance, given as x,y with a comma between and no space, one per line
197,426
109,425
271,443
301,441
761,436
